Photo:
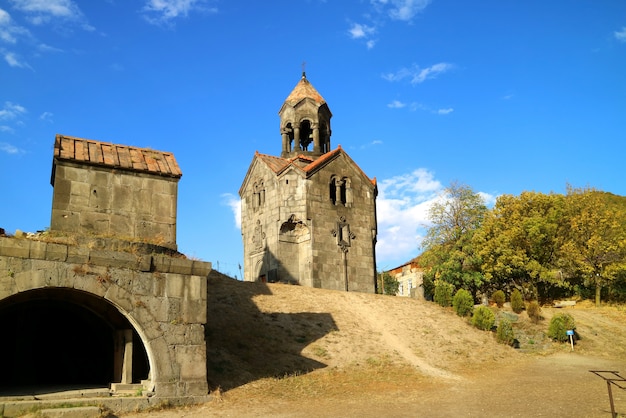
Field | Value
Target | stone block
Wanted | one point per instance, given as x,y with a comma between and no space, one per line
77,255
75,412
56,252
181,266
144,263
193,311
38,250
11,247
189,357
175,285
201,268
115,259
161,263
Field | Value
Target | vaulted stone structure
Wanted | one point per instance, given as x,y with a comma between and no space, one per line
308,216
103,299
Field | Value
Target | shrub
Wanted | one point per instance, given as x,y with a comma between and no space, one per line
443,293
517,302
483,318
463,303
534,311
498,298
559,324
504,333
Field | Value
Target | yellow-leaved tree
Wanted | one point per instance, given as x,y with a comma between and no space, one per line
594,245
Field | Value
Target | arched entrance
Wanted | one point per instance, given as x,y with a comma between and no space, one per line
59,337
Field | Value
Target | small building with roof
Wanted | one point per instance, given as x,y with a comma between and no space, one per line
308,216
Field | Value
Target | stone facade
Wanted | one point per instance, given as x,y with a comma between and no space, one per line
410,277
309,216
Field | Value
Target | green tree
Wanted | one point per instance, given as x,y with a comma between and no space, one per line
504,332
448,250
519,240
594,246
390,284
517,301
463,303
443,293
483,318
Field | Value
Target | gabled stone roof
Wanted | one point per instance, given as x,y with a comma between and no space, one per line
278,164
67,148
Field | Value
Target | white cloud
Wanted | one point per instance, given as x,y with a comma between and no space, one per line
382,11
402,210
11,111
46,116
8,148
405,9
15,61
234,202
164,11
396,104
9,31
418,75
621,35
48,48
358,31
445,111
42,11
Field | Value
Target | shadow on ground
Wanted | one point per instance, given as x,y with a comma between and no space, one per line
245,344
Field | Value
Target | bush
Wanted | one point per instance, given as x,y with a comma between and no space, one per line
517,302
443,293
463,303
483,318
559,325
498,298
534,311
504,333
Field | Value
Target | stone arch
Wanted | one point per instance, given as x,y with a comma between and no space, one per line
63,336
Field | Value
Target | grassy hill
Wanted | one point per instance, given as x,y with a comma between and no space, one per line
289,351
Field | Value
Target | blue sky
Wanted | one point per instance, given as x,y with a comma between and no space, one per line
504,96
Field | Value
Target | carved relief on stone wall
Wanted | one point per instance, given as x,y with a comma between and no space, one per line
258,195
294,230
258,238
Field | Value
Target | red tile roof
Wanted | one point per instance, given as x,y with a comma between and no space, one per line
116,156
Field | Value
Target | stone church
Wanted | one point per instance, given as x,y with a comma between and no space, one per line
308,216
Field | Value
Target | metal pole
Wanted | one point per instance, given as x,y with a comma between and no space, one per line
613,413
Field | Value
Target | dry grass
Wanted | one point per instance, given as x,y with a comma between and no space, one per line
289,351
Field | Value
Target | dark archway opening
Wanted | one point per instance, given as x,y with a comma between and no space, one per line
55,338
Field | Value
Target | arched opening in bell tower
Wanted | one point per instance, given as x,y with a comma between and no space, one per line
59,339
306,135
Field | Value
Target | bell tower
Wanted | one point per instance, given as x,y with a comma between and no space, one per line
305,122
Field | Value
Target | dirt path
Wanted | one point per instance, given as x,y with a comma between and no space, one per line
558,385
379,323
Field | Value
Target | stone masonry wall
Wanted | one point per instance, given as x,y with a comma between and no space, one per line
132,205
164,297
360,216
